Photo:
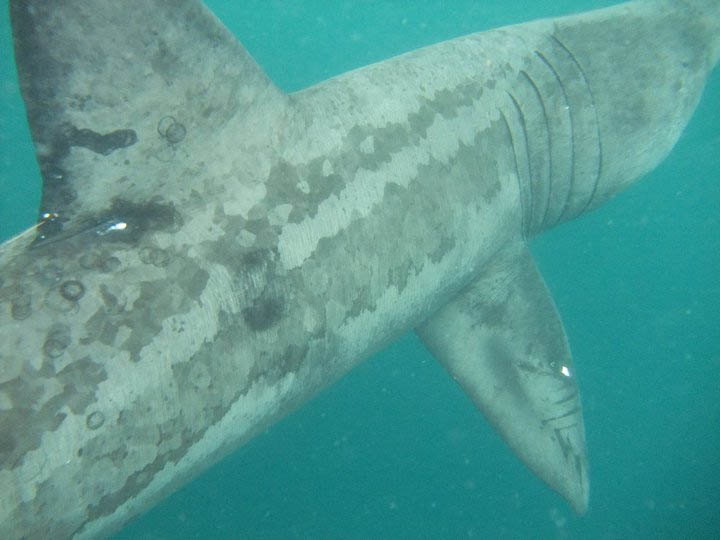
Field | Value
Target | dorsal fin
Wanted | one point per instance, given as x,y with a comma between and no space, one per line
120,94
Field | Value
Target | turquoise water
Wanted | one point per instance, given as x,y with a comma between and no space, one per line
395,450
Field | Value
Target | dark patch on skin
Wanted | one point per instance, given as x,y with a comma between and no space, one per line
91,260
96,142
7,441
79,101
564,443
154,256
447,244
266,237
72,290
122,419
255,259
175,133
55,181
50,224
58,339
100,328
38,71
80,380
21,430
21,307
527,367
94,420
112,305
139,218
252,270
418,124
492,189
109,264
100,261
137,481
103,325
192,279
386,142
165,62
31,415
55,301
264,313
501,361
226,250
274,369
578,466
117,455
447,101
50,274
284,186
146,316
175,294
398,275
58,192
124,221
363,302
493,315
291,359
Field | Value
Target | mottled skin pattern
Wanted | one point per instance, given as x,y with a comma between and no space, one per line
214,252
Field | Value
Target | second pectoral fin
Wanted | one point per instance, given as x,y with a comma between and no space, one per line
503,341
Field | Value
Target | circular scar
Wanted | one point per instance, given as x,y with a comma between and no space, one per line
171,130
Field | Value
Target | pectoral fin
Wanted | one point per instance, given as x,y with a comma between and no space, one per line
503,342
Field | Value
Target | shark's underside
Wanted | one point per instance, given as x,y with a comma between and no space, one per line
212,252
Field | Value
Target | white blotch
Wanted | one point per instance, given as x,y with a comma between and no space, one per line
117,226
246,238
247,197
327,168
558,518
5,403
368,145
311,322
278,216
303,186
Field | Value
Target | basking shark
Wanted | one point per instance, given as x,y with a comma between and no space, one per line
211,252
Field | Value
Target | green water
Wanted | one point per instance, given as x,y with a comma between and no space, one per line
395,450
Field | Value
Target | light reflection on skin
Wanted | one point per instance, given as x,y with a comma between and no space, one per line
117,226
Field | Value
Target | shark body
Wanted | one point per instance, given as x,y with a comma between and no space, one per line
212,252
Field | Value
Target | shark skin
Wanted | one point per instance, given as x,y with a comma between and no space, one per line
213,252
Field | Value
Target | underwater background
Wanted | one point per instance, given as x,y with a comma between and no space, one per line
395,449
